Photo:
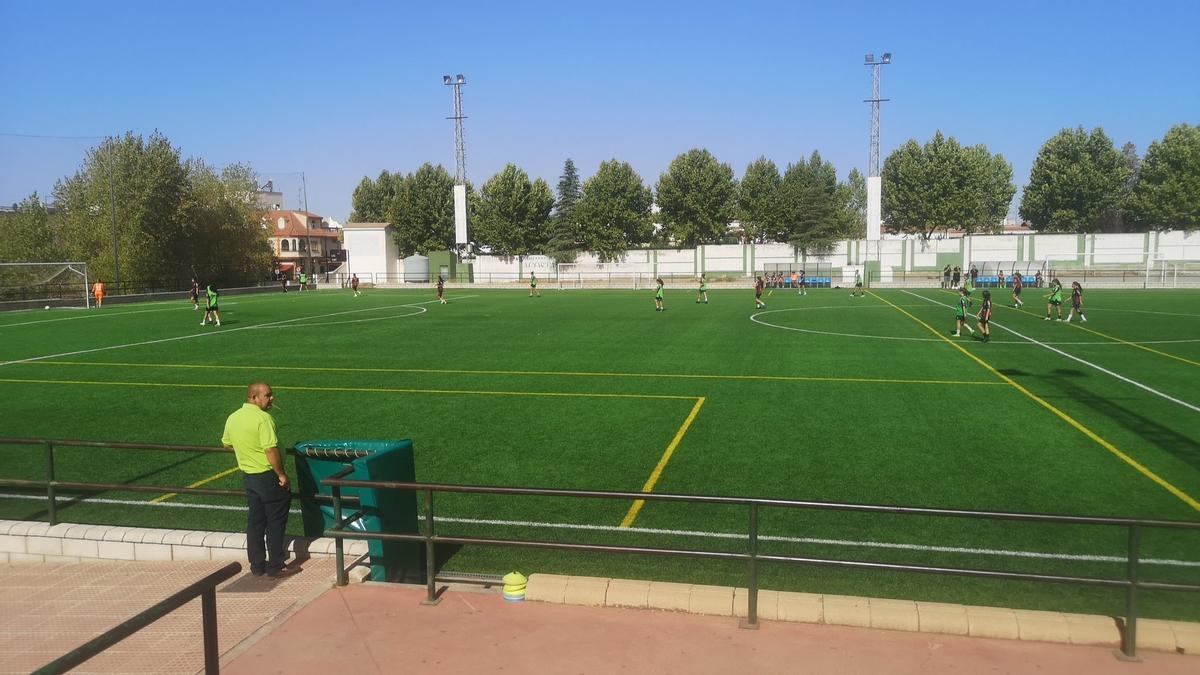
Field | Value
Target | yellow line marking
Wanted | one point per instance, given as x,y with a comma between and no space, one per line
1064,416
776,378
198,483
662,464
376,390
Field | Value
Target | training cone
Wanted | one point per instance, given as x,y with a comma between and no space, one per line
514,587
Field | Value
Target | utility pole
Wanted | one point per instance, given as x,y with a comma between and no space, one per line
460,168
874,182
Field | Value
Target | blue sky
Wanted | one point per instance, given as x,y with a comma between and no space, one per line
339,92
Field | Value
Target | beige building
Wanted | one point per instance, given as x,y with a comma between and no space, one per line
299,238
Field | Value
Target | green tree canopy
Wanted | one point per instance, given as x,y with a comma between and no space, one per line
945,185
852,196
171,216
424,211
614,212
1077,184
809,205
1167,193
30,233
758,202
696,198
564,233
512,213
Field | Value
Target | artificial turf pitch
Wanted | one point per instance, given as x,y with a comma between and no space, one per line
822,397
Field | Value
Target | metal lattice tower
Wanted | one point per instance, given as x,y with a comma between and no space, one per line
875,101
460,150
874,182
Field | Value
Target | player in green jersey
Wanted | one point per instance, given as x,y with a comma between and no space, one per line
703,294
658,297
960,313
533,286
1054,299
212,309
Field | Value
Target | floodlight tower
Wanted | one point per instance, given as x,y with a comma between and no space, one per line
460,169
874,182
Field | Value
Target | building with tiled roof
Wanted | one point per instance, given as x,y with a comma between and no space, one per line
298,237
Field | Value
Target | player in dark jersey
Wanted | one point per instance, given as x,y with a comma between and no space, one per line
960,313
802,282
1076,302
758,289
354,284
194,294
1018,282
985,316
441,289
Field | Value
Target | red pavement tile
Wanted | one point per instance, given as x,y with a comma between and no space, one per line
375,628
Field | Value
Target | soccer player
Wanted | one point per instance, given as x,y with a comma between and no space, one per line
533,286
1054,299
1076,302
960,313
1018,281
985,315
354,284
98,293
858,287
658,296
803,283
212,310
702,294
758,289
194,294
441,289
1000,278
303,281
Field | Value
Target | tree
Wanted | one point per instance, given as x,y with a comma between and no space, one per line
1167,194
809,207
30,233
171,216
696,198
852,196
614,212
564,230
424,211
378,201
1078,182
512,214
944,185
758,201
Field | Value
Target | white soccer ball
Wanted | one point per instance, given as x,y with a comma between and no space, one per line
47,306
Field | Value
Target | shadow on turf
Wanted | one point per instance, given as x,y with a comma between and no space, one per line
1169,440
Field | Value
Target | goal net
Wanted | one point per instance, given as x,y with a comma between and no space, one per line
41,284
602,275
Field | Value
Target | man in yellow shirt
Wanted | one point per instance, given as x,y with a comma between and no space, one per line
250,433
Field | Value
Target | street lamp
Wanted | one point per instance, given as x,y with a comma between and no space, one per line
461,239
874,182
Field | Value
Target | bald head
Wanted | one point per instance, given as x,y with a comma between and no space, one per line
260,394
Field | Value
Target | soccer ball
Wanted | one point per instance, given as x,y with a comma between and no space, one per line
47,306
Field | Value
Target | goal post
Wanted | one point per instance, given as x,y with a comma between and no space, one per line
38,284
575,275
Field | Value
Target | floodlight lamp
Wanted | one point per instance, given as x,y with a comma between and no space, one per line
445,79
887,57
870,58
461,79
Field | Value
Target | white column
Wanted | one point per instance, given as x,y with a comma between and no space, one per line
874,208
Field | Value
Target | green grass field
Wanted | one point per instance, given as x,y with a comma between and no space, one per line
821,397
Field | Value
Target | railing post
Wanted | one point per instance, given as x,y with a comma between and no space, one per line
1129,644
752,578
208,610
52,502
339,545
431,597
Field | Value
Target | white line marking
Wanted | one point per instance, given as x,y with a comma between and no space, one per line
1076,358
1096,343
216,331
1084,557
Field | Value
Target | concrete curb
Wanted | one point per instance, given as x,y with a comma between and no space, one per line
925,617
23,541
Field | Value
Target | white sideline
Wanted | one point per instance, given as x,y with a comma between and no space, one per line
223,332
1102,369
1081,557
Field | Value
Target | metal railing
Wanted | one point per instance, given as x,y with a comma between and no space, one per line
205,589
51,486
1131,584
